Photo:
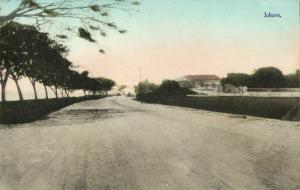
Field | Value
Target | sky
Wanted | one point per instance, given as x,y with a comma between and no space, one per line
167,39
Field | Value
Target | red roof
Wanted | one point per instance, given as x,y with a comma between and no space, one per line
201,77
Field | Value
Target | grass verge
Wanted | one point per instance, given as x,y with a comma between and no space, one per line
286,108
13,112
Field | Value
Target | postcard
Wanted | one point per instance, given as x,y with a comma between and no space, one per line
149,95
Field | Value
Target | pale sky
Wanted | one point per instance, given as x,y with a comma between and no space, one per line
171,38
168,39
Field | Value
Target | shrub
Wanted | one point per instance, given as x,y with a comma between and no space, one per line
170,87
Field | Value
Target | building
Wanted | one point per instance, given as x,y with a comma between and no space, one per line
199,82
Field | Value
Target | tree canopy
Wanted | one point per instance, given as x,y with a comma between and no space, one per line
26,52
145,87
265,77
90,15
171,87
293,80
236,79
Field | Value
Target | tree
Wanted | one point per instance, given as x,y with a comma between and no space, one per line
121,88
171,87
105,84
26,52
267,77
12,56
83,81
145,87
293,80
17,60
91,15
4,72
236,79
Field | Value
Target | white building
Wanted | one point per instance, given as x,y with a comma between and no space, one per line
200,83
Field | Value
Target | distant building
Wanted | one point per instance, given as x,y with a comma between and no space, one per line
212,82
229,88
128,90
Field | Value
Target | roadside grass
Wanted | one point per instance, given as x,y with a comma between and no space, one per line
13,112
286,108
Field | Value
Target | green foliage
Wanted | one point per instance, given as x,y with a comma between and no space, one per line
62,36
145,87
30,3
136,3
236,79
169,85
267,77
293,80
167,88
112,25
26,52
104,14
103,34
101,51
122,31
95,8
94,27
87,12
105,84
85,34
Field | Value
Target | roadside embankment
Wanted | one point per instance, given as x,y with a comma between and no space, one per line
13,112
286,108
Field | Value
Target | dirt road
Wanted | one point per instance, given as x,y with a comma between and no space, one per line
119,144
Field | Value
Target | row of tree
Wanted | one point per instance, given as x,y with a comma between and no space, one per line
167,87
265,77
26,52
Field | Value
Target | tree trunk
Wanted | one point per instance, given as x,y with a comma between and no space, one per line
46,91
67,93
34,88
3,85
62,93
3,92
19,89
54,90
56,93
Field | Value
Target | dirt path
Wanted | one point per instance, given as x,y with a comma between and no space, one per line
120,144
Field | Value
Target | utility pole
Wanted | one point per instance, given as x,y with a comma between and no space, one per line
140,74
140,84
298,78
298,72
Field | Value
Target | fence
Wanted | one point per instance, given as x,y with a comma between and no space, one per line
259,92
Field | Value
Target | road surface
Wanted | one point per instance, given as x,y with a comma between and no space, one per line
120,144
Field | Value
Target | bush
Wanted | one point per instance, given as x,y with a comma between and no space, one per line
170,87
